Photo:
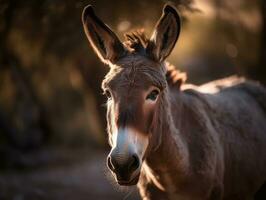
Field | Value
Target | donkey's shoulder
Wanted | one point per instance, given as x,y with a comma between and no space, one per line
255,90
229,84
241,85
214,86
229,90
221,84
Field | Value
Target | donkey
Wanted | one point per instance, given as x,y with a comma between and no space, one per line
175,141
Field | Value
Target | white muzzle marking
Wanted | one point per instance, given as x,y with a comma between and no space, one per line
128,141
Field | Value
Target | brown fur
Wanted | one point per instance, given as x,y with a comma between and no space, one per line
205,142
222,139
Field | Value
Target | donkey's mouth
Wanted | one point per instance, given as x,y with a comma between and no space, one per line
133,181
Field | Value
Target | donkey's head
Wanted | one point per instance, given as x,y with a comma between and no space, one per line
134,86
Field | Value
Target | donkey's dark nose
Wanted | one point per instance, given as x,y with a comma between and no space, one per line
121,166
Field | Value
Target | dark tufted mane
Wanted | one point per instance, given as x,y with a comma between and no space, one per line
136,41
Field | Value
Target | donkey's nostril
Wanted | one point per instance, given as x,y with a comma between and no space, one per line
134,164
123,167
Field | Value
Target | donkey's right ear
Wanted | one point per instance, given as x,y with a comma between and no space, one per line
102,39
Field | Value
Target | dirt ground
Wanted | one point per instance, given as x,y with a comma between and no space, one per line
77,176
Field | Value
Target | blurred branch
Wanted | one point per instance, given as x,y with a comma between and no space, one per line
26,89
93,77
7,23
8,61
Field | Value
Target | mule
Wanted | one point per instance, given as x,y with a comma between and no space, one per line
177,141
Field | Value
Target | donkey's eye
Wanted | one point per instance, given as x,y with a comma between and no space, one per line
107,94
152,95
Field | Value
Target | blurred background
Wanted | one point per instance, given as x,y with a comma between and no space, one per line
53,141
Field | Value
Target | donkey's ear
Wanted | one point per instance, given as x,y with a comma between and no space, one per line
103,40
165,34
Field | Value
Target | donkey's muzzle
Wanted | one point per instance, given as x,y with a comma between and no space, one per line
124,168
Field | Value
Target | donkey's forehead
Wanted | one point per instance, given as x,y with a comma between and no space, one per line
137,71
137,60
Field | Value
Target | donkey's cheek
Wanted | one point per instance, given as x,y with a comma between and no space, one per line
141,145
148,118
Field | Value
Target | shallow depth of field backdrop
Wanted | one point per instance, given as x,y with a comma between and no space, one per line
52,115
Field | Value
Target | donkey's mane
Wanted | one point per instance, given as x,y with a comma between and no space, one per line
136,41
174,77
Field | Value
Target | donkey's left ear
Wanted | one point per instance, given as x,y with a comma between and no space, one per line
102,39
165,34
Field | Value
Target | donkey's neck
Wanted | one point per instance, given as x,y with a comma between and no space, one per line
171,155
